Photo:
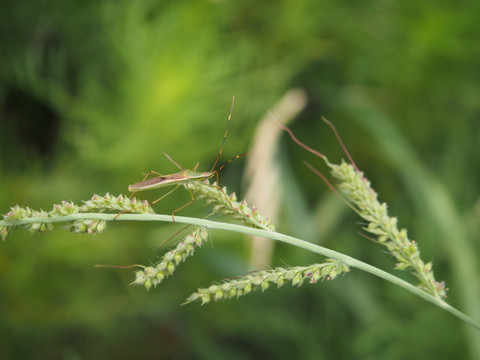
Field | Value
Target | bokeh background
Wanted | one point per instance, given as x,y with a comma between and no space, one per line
93,92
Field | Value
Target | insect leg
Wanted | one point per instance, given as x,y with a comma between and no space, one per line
164,196
150,204
184,206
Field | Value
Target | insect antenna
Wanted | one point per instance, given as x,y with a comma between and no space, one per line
225,135
229,161
225,164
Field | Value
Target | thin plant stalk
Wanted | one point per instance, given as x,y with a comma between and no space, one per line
352,262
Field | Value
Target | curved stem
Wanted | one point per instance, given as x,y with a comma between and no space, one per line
263,233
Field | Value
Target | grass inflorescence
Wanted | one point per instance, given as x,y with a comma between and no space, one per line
101,204
264,279
227,205
357,190
154,275
359,195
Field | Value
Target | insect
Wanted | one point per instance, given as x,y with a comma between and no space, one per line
184,177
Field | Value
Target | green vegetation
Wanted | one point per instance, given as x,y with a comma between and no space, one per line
93,93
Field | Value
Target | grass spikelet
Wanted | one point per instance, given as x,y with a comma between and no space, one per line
107,203
18,213
263,279
228,205
154,275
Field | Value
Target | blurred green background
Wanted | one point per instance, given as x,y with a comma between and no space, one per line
93,92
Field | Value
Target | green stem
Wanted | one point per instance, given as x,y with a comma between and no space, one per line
263,233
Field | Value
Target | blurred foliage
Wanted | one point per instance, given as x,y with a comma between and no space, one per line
93,92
